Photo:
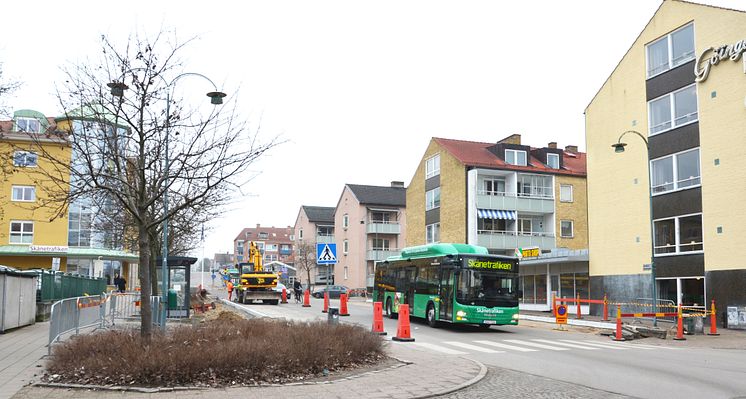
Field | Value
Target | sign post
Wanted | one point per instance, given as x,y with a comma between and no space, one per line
560,314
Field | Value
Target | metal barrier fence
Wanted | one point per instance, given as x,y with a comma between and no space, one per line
58,285
97,311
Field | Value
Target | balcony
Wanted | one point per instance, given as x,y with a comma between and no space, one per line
383,228
512,239
380,254
510,201
325,239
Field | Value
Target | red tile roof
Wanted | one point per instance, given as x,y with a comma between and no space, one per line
471,153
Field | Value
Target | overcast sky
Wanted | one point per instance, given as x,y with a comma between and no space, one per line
356,88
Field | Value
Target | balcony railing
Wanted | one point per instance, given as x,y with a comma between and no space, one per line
380,254
324,239
513,201
511,239
379,227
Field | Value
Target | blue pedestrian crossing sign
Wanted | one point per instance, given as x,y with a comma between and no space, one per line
326,254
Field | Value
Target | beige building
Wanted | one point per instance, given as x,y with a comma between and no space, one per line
677,98
370,226
510,198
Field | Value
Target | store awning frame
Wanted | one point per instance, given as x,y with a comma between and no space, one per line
497,214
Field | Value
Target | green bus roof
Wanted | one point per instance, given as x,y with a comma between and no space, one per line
435,250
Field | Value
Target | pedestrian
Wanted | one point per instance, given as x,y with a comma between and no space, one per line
213,277
120,282
229,287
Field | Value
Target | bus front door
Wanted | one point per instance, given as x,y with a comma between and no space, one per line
446,295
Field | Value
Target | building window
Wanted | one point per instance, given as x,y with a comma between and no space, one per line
432,166
380,217
565,193
566,229
494,186
28,125
671,50
80,225
25,159
271,247
345,246
346,221
553,161
347,273
535,186
432,233
263,236
524,227
325,231
300,234
24,193
515,157
675,172
485,225
380,244
678,235
432,199
673,110
21,232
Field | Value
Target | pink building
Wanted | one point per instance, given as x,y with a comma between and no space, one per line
314,225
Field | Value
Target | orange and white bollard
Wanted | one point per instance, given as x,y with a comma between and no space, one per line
343,305
307,299
713,320
577,300
679,327
403,330
554,304
618,336
284,296
378,318
606,308
326,303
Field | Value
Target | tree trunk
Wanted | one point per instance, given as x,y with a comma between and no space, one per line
308,273
143,244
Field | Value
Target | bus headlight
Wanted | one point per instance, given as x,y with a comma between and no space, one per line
515,316
461,313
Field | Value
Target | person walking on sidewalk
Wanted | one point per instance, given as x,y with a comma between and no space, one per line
229,287
120,282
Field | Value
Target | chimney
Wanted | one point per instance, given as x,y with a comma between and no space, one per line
257,226
552,144
571,148
512,139
397,184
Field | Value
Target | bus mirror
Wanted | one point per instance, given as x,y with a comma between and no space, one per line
520,294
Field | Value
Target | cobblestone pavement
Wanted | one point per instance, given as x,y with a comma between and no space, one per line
504,383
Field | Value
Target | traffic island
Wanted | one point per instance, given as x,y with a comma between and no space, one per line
223,351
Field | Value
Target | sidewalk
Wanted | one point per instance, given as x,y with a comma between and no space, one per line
21,352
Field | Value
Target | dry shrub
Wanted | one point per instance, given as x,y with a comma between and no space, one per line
219,352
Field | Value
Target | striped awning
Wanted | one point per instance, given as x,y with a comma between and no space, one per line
496,214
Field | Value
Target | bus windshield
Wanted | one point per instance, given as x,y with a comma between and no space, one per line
487,288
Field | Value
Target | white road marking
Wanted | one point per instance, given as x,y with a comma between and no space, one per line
472,347
600,345
534,344
546,341
506,346
438,348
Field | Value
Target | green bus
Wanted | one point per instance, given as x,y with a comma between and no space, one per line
455,283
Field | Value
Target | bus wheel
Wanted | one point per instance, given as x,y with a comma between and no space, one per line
431,316
389,312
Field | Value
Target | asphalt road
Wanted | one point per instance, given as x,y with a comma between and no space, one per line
533,357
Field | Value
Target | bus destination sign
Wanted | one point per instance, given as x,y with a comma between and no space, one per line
488,264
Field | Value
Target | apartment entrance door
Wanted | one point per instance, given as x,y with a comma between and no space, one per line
684,291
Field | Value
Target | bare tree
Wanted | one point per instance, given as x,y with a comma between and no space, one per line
119,145
6,87
305,260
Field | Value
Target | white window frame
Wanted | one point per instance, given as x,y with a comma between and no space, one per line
432,199
563,199
432,233
22,233
300,234
347,272
677,236
675,166
23,190
669,41
25,157
346,221
555,156
432,166
515,157
572,229
494,182
345,246
672,110
28,120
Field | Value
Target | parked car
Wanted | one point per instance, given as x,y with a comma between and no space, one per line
334,291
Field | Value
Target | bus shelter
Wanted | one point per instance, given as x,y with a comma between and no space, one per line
178,282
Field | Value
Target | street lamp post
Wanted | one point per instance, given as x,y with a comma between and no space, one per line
216,98
619,147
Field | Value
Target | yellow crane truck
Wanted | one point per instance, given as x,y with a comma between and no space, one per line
254,282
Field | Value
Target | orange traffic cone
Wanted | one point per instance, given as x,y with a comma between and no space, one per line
284,296
713,321
679,328
378,318
618,336
343,305
326,303
403,331
306,299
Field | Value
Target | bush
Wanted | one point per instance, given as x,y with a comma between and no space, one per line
224,351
